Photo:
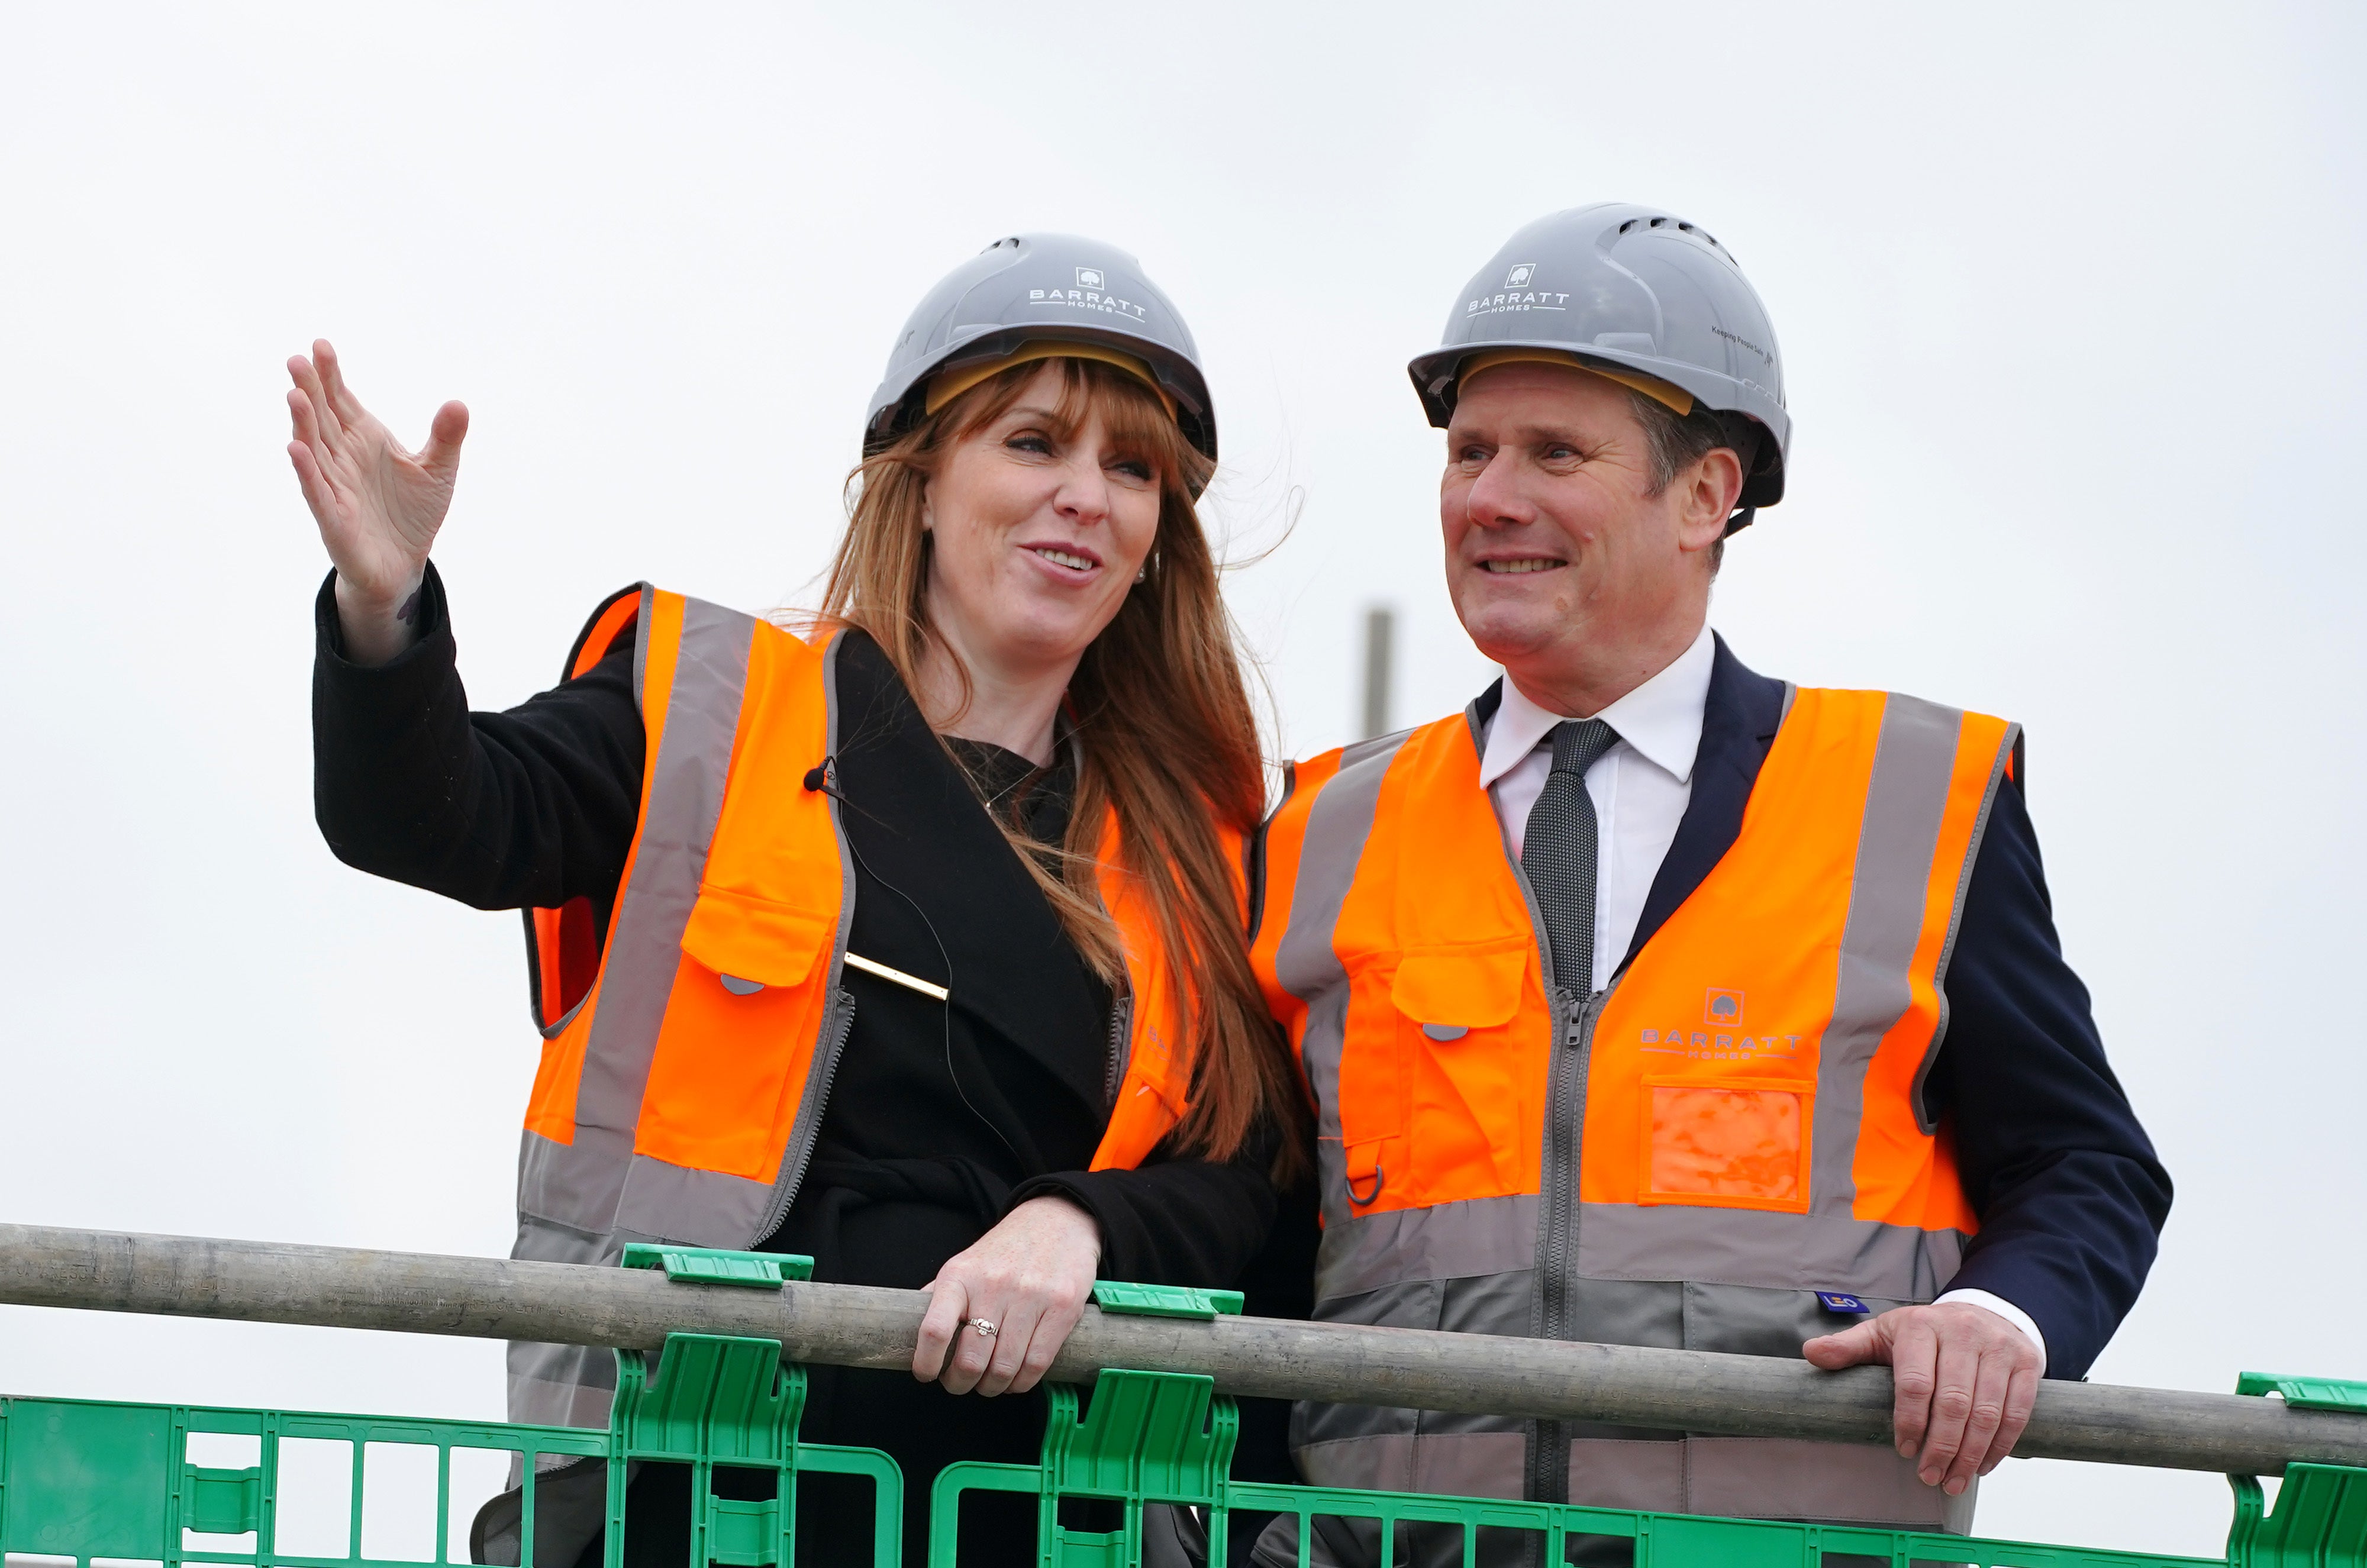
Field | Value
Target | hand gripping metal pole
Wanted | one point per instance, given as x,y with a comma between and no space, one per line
855,1325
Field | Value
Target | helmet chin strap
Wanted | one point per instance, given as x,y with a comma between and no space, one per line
1741,519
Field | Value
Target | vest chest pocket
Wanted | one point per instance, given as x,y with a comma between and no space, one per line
740,1027
751,942
1472,1068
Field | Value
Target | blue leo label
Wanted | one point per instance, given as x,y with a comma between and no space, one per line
1836,1301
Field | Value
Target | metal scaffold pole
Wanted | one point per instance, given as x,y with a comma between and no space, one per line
855,1325
1380,639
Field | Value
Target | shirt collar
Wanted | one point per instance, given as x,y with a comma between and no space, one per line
1660,719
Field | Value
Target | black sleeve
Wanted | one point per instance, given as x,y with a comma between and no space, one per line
527,808
2070,1196
1173,1222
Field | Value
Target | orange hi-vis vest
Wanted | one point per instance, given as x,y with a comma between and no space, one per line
1686,1158
687,1065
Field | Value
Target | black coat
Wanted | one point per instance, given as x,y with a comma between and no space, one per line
942,1117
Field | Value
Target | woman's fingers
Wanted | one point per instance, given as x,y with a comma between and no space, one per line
441,457
948,1302
333,380
304,419
997,1356
1052,1332
328,431
1030,1326
316,487
972,1353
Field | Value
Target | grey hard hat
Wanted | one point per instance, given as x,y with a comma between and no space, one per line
1632,288
1028,288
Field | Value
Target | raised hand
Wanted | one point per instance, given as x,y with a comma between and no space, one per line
379,505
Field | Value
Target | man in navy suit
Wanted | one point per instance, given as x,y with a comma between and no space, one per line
1937,1171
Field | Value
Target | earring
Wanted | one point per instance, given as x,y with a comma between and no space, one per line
1142,572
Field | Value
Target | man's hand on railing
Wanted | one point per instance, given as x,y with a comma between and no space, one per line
1966,1379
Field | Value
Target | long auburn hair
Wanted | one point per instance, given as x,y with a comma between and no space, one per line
1164,731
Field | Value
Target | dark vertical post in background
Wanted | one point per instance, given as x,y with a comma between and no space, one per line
1380,628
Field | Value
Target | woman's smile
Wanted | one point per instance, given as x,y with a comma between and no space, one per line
1071,563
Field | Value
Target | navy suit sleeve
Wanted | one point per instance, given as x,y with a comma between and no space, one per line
2070,1196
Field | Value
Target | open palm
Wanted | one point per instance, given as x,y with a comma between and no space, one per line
379,505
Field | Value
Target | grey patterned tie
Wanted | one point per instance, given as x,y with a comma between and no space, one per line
1559,850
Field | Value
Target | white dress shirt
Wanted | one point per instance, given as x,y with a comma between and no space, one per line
1640,788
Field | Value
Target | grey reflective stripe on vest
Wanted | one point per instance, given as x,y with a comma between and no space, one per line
1746,1246
1906,798
569,1195
1337,823
1744,1279
1445,1241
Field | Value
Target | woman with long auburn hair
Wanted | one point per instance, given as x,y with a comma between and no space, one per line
911,942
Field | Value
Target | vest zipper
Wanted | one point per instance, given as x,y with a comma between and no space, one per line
1572,1049
801,1152
1564,1153
1121,1020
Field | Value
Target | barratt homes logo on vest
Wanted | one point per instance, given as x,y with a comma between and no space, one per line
1722,1042
1091,293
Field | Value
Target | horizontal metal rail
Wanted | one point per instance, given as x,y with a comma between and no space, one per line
856,1325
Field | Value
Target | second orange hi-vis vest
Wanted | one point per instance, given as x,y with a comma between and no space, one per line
686,1062
1685,1159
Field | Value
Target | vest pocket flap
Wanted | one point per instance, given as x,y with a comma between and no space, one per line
1463,988
756,939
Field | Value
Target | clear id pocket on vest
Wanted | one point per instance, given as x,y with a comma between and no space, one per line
1739,1144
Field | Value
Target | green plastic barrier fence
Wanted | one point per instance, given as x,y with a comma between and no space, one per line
118,1485
85,1481
1153,1438
1166,1437
114,1485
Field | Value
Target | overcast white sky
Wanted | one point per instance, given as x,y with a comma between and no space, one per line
2069,299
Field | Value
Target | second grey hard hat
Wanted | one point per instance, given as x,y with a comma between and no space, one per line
1035,288
1635,291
